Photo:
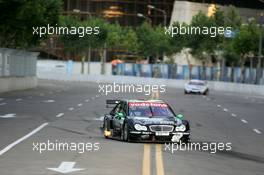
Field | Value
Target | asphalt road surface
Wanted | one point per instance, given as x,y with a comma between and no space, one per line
70,112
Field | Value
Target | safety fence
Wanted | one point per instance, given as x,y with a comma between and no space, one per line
183,72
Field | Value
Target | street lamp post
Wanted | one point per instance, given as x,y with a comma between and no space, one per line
160,10
145,17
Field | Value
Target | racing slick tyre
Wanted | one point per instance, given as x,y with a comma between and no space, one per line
125,135
206,92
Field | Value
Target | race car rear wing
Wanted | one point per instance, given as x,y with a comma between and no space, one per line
111,103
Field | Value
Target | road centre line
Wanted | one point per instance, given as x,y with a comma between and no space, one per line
7,148
225,110
80,104
233,115
244,121
2,104
159,160
146,160
70,109
18,99
60,115
257,131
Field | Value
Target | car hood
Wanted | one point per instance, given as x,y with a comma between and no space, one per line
153,120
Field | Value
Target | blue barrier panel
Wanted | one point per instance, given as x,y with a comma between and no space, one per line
128,69
69,67
164,71
180,72
185,72
208,73
195,72
146,70
137,70
228,74
237,75
120,68
172,71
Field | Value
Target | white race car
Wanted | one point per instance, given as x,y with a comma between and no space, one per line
196,86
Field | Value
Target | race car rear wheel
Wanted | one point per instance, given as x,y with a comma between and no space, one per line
125,133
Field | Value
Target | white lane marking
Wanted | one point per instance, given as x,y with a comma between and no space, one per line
1,99
233,115
49,101
8,116
70,109
87,100
226,110
19,99
66,167
99,118
23,138
80,104
2,104
219,106
257,131
60,115
244,121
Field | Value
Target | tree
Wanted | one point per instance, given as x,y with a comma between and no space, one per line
152,41
246,43
80,45
19,17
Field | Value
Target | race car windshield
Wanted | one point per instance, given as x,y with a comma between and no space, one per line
196,83
150,110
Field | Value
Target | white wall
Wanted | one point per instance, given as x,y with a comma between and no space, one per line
58,66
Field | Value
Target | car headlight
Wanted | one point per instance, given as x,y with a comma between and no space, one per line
180,128
140,127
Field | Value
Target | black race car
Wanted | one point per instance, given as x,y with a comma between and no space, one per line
144,120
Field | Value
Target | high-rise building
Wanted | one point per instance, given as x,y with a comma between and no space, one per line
124,12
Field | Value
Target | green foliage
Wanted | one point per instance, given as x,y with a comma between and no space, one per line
246,41
18,17
203,46
153,41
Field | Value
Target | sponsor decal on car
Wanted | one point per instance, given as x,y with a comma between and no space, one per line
134,104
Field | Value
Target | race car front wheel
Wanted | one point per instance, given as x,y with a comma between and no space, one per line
106,129
125,133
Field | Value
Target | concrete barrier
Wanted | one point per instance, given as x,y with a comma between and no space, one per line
17,83
255,90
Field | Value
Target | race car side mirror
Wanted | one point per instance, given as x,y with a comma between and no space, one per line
120,115
180,116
